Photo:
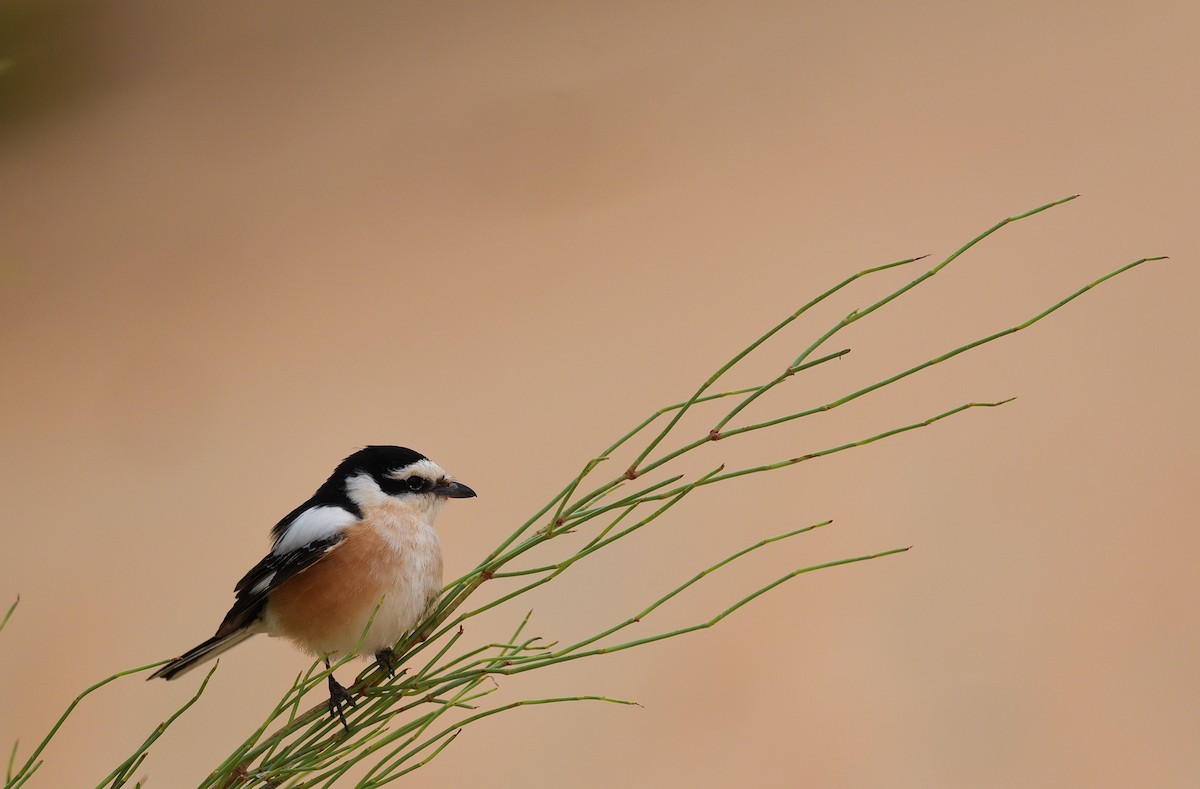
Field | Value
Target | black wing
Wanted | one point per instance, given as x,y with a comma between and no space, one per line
273,570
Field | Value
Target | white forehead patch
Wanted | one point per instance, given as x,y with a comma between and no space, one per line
422,468
315,523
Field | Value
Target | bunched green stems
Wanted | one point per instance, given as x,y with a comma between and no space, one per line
450,679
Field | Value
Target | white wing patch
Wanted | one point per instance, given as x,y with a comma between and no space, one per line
316,523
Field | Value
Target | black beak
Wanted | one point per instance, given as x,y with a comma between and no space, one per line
454,490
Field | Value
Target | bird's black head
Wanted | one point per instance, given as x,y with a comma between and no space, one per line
392,471
377,474
378,461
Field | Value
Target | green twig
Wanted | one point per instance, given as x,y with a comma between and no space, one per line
8,615
120,776
31,764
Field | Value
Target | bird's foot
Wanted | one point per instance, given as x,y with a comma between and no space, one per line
386,660
339,698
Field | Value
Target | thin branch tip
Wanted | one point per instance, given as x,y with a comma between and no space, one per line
9,613
991,403
1039,209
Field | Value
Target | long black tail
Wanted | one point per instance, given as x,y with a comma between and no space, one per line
203,653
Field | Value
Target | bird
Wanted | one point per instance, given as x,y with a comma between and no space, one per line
365,536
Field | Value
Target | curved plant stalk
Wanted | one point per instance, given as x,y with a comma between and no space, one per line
14,779
402,723
8,615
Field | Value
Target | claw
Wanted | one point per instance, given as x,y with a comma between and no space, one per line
339,698
386,659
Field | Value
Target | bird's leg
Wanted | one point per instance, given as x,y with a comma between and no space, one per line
338,696
386,660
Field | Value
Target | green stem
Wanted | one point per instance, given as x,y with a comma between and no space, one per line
27,769
712,379
8,615
120,775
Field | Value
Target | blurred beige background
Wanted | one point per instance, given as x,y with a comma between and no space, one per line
239,240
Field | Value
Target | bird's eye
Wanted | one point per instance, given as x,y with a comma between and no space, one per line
416,484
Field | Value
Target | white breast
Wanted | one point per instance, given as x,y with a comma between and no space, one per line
412,573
